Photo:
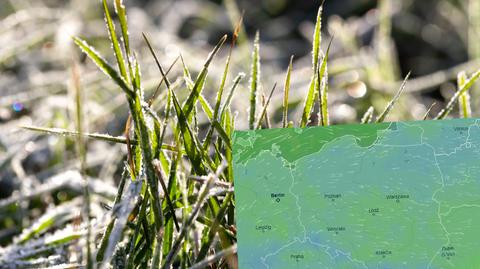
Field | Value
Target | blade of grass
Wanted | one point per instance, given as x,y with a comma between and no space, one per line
186,75
254,80
172,192
367,117
137,80
102,137
161,178
125,207
264,110
193,151
228,101
208,137
126,133
444,113
323,84
157,254
267,117
106,235
188,138
226,69
207,108
137,239
122,16
314,86
428,111
464,99
286,93
200,81
103,65
186,226
147,155
214,228
229,124
155,94
390,104
169,90
223,134
114,41
82,154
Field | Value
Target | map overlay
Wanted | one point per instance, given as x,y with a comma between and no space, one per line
388,195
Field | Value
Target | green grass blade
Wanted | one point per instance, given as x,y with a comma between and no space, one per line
203,194
464,99
323,94
228,101
164,78
101,137
367,117
207,108
317,38
108,230
64,132
428,111
128,204
173,192
314,86
224,77
223,134
214,228
254,80
200,81
309,101
122,16
390,104
186,75
103,65
82,154
157,254
264,110
169,89
188,139
137,80
229,126
147,158
161,177
192,149
218,100
444,113
286,93
268,125
114,40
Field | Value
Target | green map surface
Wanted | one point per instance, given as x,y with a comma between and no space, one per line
390,195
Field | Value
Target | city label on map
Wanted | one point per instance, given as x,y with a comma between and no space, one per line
277,196
397,197
332,196
448,252
263,228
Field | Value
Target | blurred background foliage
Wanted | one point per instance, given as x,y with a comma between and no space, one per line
375,44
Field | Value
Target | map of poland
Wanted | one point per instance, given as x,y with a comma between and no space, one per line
389,195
